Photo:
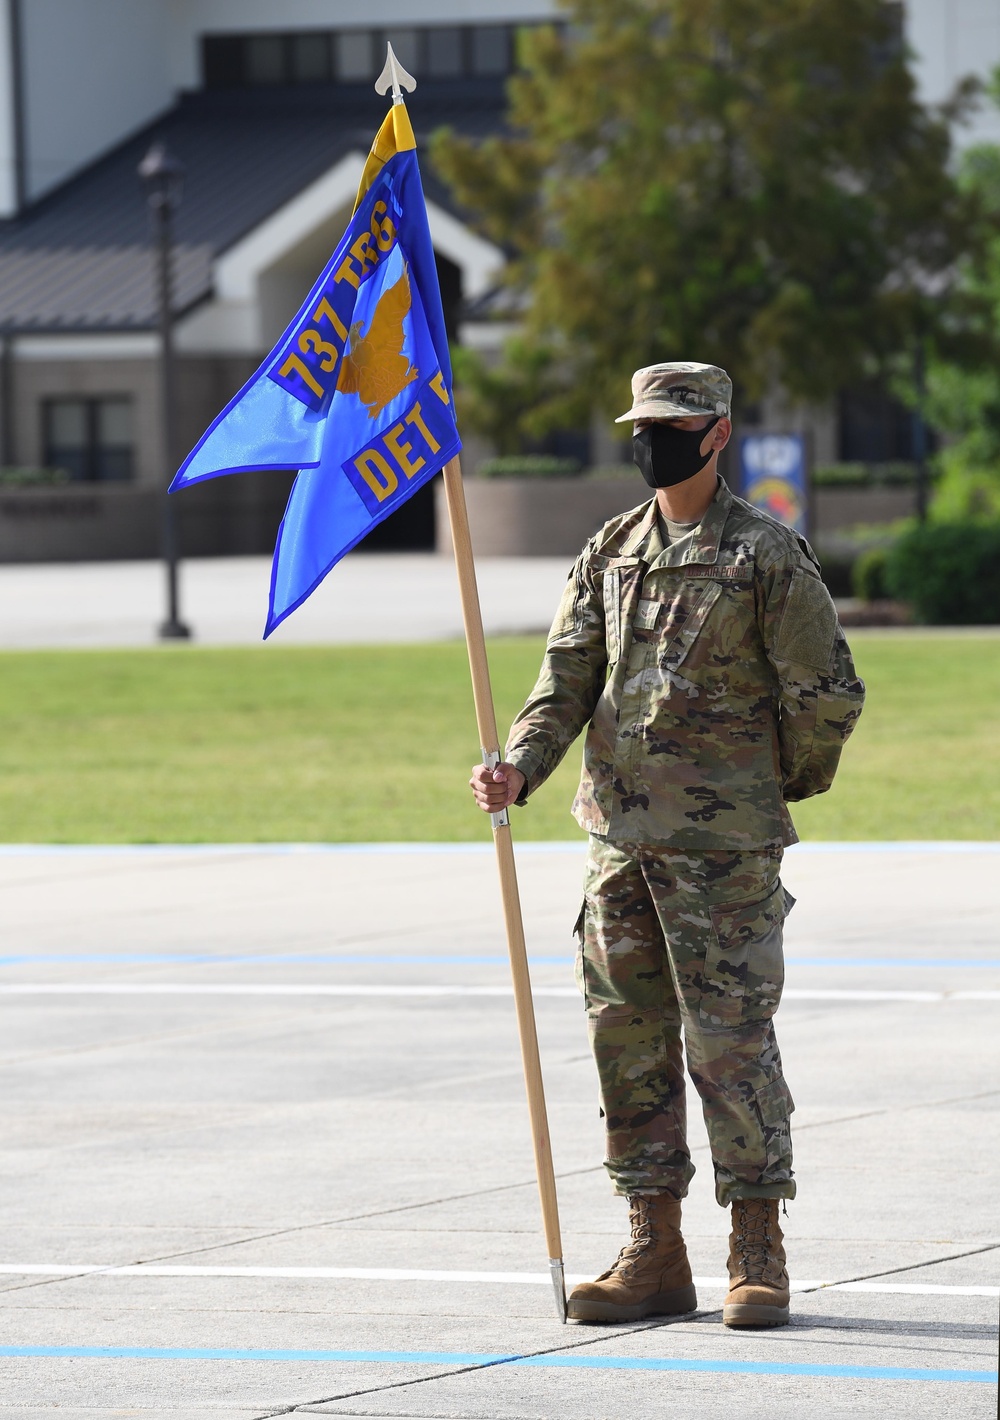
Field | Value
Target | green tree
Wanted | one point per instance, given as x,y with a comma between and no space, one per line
747,182
506,401
964,401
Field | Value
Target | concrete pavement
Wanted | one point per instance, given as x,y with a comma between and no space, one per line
274,1095
369,597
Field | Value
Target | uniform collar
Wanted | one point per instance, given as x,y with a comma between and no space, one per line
646,542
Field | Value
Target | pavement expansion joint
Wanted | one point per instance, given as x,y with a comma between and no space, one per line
895,1109
605,1333
363,1217
894,1271
297,1228
875,1326
352,1414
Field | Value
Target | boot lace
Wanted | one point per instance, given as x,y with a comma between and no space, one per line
641,1223
753,1239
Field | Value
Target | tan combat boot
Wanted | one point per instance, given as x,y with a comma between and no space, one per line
651,1276
758,1282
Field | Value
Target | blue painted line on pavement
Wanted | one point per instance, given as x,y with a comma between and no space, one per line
464,1358
17,850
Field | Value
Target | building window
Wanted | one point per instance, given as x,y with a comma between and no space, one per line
311,59
90,438
892,48
356,56
490,49
264,59
222,61
874,427
406,47
444,53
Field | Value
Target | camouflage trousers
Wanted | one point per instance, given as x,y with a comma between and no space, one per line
676,940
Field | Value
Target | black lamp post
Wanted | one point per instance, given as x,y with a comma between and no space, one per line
920,429
162,176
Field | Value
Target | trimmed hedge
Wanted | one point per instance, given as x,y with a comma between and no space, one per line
28,477
868,574
895,474
948,572
528,466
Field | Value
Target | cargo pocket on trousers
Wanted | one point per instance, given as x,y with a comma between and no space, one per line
744,966
578,930
774,1106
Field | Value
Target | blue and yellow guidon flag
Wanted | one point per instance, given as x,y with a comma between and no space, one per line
356,395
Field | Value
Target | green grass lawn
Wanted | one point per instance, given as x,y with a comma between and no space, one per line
189,744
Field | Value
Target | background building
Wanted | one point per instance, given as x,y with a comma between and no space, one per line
272,126
272,122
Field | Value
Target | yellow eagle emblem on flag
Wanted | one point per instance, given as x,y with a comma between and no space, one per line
373,365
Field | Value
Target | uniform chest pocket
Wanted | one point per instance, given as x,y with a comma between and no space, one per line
686,620
622,583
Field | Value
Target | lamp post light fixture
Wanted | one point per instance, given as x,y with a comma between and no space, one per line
162,175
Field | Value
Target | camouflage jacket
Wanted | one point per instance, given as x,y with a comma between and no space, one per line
713,675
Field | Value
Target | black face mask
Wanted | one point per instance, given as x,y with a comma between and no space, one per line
666,455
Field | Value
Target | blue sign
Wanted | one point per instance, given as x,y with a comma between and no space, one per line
774,476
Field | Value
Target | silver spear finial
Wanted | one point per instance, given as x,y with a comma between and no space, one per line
395,75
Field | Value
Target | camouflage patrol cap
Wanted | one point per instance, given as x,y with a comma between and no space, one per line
677,390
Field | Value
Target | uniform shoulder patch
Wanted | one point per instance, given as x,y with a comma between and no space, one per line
808,625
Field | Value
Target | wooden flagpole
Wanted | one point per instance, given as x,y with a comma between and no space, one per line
394,76
489,740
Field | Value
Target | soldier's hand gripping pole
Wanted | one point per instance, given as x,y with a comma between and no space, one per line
486,720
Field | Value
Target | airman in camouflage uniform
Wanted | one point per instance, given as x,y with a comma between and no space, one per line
709,670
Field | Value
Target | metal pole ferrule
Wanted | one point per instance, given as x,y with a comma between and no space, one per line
559,1285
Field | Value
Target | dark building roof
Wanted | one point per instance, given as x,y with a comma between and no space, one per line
79,259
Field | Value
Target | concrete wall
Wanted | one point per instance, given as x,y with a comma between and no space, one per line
92,521
107,522
554,517
34,381
837,508
950,39
538,517
204,386
77,523
93,71
96,521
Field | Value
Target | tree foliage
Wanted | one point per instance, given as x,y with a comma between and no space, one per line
746,182
964,401
506,401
